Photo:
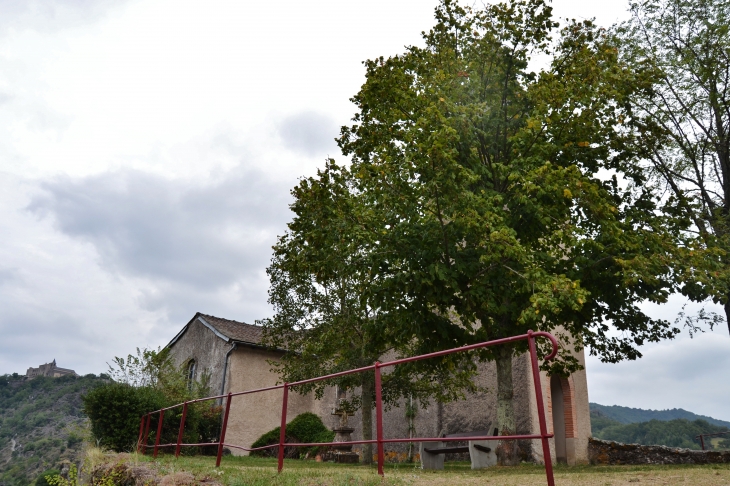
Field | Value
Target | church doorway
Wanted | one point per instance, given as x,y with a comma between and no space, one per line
558,400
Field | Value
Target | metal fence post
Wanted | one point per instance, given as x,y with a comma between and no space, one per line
146,433
541,410
223,431
141,431
159,432
282,429
379,417
182,428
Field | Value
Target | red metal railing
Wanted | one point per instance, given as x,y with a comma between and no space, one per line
144,425
702,437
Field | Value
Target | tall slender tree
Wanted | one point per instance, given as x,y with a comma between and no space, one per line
685,44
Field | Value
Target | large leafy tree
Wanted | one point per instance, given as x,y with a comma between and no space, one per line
685,45
482,201
322,275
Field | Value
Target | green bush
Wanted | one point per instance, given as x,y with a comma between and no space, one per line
74,440
306,427
43,478
115,410
724,444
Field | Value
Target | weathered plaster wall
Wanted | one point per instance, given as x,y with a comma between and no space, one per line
578,411
207,349
582,412
255,414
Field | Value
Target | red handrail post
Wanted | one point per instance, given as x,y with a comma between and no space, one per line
159,432
182,428
541,410
146,433
141,431
282,429
223,431
702,442
379,417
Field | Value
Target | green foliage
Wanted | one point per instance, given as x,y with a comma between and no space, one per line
74,440
305,428
155,369
482,200
672,433
45,476
73,479
600,422
146,382
683,45
115,410
41,415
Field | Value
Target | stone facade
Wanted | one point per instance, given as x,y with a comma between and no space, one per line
49,369
230,353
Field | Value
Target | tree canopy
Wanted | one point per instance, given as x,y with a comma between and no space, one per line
482,200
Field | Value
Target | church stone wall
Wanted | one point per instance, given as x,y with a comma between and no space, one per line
208,350
476,412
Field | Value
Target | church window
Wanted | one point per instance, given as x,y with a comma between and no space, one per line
190,375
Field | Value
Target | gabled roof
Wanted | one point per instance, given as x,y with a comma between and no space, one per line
226,329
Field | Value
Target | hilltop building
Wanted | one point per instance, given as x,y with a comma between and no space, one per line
231,353
49,369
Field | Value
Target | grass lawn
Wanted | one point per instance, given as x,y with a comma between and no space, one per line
256,471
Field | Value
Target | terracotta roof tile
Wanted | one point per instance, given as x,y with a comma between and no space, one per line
237,331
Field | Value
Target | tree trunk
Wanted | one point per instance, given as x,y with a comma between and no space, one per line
727,313
368,388
506,450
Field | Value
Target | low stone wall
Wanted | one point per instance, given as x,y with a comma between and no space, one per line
603,452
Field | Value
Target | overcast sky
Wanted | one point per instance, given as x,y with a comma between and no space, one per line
147,149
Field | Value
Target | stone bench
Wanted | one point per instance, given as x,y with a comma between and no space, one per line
481,452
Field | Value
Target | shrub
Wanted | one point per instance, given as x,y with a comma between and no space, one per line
73,440
306,427
43,478
115,410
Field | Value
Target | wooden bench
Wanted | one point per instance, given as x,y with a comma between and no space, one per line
481,452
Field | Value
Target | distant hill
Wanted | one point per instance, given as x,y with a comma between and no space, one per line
673,428
626,415
41,424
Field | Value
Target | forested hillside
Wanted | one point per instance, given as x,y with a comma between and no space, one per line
626,415
672,433
41,424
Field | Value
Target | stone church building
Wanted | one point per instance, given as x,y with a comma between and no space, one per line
231,353
49,369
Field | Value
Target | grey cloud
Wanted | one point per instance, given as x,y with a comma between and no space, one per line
676,374
200,236
309,132
9,275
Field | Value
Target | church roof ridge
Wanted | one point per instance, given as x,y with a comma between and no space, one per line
233,330
226,329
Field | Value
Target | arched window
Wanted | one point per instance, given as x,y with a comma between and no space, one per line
190,374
